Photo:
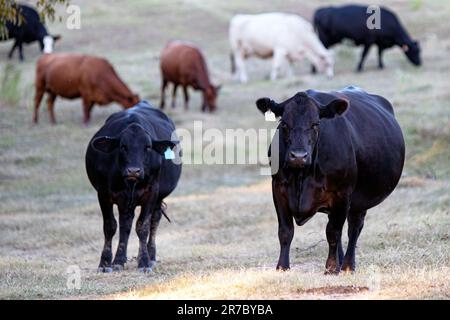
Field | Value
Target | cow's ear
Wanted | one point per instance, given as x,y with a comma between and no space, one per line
105,144
334,108
267,104
161,146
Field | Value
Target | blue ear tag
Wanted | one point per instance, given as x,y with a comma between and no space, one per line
270,116
169,154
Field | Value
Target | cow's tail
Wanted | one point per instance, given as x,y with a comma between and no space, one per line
163,210
233,63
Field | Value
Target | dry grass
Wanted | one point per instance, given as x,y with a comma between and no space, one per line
222,242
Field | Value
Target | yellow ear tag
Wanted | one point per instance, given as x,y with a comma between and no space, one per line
270,116
169,154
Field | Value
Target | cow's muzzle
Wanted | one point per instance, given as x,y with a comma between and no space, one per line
298,159
133,174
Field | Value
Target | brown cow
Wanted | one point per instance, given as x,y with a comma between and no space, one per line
73,76
183,64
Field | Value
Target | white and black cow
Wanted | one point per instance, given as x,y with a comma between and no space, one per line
29,30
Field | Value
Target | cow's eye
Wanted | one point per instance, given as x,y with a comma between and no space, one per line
123,148
315,126
284,126
148,148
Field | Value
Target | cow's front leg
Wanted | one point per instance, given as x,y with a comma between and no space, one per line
355,225
126,221
21,57
363,57
285,231
241,72
336,220
143,230
11,53
109,229
279,59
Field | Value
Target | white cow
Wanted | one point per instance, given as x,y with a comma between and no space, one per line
285,37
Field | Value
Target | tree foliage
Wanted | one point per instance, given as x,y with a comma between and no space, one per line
9,12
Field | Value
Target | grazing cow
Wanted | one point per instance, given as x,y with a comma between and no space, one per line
183,64
333,24
340,153
73,76
126,165
30,29
285,37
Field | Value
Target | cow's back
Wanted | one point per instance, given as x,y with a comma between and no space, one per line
376,139
75,75
261,33
31,29
350,22
183,63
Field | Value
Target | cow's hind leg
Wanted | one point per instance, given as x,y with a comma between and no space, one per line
37,102
154,224
51,107
355,225
163,93
336,220
109,229
143,230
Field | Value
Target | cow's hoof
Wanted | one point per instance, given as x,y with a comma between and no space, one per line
283,269
104,269
145,270
152,263
118,268
331,272
348,269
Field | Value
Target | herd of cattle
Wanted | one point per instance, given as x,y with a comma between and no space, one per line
132,160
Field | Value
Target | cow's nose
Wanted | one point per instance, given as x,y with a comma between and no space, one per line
133,172
298,156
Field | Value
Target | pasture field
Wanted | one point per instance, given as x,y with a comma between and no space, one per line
222,242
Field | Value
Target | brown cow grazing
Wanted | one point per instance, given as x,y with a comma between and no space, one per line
73,76
183,64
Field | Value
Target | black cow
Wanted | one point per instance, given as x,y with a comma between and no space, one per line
333,24
126,165
30,30
340,153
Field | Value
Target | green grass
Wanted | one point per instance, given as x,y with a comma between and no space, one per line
222,242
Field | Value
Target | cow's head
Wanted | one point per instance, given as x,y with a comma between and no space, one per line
138,154
300,124
48,43
325,64
130,101
412,51
210,95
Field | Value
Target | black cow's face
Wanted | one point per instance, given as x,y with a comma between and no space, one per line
300,125
137,154
412,51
